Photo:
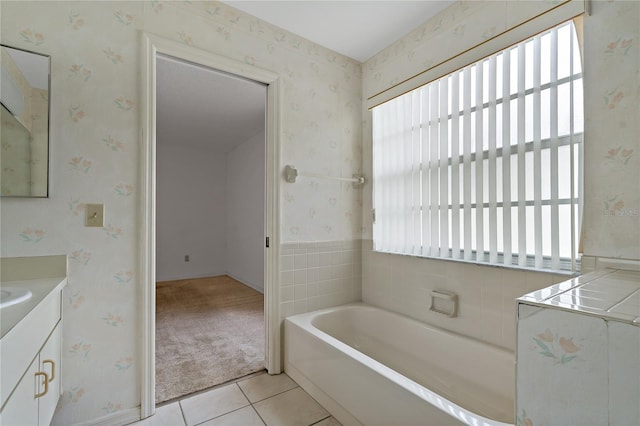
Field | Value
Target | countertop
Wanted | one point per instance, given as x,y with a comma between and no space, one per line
612,294
12,315
43,275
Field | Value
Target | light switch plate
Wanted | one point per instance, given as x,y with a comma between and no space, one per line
94,215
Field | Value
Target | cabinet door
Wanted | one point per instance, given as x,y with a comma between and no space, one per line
22,406
50,364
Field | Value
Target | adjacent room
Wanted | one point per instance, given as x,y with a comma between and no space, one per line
210,175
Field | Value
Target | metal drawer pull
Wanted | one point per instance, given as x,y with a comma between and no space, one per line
46,384
53,368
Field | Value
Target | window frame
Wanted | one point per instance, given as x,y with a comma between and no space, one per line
576,140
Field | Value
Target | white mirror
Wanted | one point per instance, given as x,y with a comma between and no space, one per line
24,131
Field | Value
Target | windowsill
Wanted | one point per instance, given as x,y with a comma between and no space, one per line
490,265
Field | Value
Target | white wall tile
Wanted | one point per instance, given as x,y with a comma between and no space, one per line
286,293
300,276
324,274
299,292
286,263
313,260
300,261
486,294
313,275
286,278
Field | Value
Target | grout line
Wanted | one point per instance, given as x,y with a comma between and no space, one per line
321,420
184,419
276,394
217,417
258,414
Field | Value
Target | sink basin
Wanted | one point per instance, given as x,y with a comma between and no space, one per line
13,295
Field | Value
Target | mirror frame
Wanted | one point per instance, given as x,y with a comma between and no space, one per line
48,173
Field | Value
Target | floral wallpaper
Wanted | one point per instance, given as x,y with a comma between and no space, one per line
611,55
612,148
95,53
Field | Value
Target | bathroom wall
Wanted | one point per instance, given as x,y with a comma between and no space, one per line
612,162
611,226
245,186
95,51
191,211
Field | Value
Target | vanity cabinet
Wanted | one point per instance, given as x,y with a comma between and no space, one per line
50,365
34,399
31,342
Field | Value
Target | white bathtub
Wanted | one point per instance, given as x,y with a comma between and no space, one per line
374,367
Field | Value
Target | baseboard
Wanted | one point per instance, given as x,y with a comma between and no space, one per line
190,276
247,283
119,418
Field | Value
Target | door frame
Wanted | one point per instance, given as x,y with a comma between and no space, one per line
152,45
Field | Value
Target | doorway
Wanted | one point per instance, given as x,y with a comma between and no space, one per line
153,47
210,215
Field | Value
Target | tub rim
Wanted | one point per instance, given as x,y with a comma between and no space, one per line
304,321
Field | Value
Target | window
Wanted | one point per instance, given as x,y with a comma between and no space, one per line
484,164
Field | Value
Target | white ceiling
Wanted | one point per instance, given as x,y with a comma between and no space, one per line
197,106
357,28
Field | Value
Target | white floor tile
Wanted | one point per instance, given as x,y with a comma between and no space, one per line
265,386
212,404
291,408
246,416
167,415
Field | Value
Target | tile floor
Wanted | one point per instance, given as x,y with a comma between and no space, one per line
256,401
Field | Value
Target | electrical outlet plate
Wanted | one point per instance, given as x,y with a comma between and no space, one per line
94,215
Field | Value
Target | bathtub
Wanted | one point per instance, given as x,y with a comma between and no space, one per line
369,366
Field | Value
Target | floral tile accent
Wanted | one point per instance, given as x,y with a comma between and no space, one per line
547,344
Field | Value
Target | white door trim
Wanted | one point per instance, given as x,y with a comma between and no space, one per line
151,46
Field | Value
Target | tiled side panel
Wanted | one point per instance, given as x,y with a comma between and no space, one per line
319,275
486,294
624,374
562,368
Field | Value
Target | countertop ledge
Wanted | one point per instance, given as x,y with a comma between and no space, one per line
41,288
610,294
45,276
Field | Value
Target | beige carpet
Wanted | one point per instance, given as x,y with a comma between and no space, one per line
208,331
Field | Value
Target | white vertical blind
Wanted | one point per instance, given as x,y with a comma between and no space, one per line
506,161
522,196
474,165
492,165
537,155
478,163
455,167
466,152
443,119
553,135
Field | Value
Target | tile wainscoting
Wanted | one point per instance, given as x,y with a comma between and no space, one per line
486,294
317,275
